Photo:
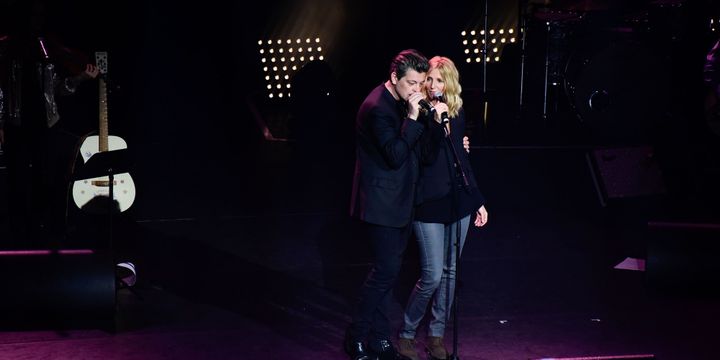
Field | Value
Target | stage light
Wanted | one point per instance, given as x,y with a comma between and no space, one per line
468,60
462,33
278,75
497,43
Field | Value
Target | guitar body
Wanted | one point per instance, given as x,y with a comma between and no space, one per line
85,190
123,186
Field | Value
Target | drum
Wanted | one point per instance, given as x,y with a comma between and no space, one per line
617,86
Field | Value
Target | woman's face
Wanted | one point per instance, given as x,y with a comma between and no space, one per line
434,83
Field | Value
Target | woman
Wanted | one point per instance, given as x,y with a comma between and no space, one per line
447,197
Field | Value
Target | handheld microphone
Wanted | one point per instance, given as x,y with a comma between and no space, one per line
444,117
426,105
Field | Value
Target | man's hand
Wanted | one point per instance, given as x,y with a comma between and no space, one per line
466,143
414,105
91,72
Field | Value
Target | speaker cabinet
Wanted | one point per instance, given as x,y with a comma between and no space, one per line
57,287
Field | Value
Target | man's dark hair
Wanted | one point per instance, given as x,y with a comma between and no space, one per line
409,59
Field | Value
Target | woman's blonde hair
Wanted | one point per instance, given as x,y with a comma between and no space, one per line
451,77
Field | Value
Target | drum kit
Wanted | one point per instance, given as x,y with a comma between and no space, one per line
604,57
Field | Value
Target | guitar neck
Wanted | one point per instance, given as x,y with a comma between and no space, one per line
103,115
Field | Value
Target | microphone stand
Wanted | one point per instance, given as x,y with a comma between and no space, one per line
456,167
484,63
522,16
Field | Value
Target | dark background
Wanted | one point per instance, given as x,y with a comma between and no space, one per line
184,74
264,223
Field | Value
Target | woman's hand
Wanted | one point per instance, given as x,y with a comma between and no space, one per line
481,217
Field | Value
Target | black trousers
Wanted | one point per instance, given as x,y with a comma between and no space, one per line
38,164
371,320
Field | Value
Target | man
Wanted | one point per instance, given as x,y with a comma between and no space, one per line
32,76
386,172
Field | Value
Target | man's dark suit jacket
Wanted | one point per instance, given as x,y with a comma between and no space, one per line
386,168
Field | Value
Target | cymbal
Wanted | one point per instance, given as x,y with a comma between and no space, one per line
551,15
666,2
581,5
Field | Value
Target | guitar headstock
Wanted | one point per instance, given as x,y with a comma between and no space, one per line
101,61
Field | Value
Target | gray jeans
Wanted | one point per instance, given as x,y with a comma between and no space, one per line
437,280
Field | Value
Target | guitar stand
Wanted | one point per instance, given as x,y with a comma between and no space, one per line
101,164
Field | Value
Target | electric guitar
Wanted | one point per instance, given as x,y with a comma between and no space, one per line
123,187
